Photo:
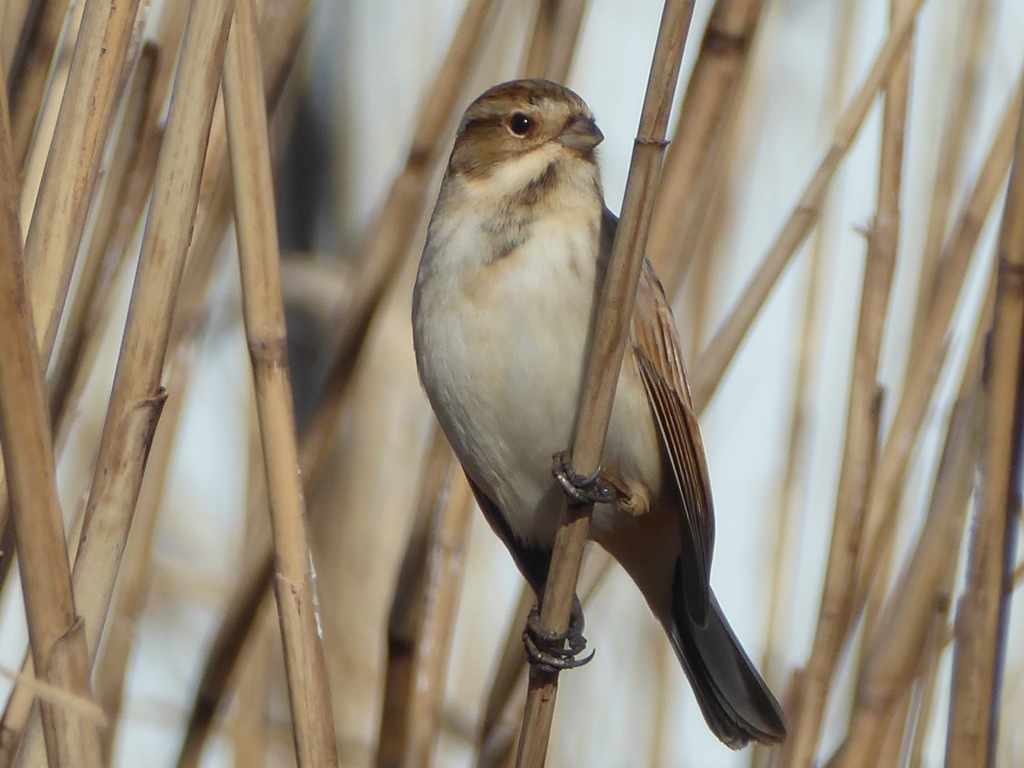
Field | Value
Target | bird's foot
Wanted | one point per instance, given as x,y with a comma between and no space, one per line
556,651
581,489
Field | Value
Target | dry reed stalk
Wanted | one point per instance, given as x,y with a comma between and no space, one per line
859,452
693,161
930,656
111,668
720,351
72,166
695,298
509,670
137,397
497,738
950,496
950,158
114,199
243,611
46,124
405,616
31,69
541,38
263,312
792,496
86,113
550,57
567,32
910,411
135,575
885,491
604,359
982,612
896,643
13,17
56,634
382,250
389,237
251,706
249,727
83,339
66,395
60,697
442,587
553,41
892,745
885,239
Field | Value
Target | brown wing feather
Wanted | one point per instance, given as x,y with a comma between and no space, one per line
656,344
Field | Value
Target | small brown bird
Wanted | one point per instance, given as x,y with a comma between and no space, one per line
503,305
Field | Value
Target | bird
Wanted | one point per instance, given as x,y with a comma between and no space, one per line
503,306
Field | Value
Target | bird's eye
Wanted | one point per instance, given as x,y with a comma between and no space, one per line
520,124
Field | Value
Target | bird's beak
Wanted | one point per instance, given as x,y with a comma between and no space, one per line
581,134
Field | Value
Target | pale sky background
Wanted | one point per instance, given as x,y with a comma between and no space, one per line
373,60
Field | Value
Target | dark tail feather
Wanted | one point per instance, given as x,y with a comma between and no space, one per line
737,704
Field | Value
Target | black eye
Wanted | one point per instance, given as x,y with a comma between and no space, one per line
520,124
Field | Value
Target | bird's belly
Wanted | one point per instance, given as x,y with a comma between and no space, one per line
513,354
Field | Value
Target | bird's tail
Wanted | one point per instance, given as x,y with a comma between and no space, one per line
737,704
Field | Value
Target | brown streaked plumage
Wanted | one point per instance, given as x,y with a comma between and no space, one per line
502,309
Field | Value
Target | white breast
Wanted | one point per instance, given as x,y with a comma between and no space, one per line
500,348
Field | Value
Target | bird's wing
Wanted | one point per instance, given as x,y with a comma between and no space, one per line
659,359
532,563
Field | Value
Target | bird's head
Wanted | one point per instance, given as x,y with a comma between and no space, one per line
523,138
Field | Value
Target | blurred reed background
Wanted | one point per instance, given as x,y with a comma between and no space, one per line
850,342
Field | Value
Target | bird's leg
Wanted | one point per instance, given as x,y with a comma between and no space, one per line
556,651
581,489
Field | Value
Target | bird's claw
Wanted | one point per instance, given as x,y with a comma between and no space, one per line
581,489
555,651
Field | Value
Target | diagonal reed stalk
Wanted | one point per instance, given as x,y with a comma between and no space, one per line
16,18
553,40
114,206
383,248
111,667
137,393
56,633
31,70
422,616
94,84
72,165
895,647
948,162
715,80
120,200
137,396
263,311
389,237
954,492
693,160
251,712
918,389
884,491
793,490
604,359
857,469
722,348
404,618
982,615
500,729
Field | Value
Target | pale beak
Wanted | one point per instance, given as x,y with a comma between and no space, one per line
581,134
